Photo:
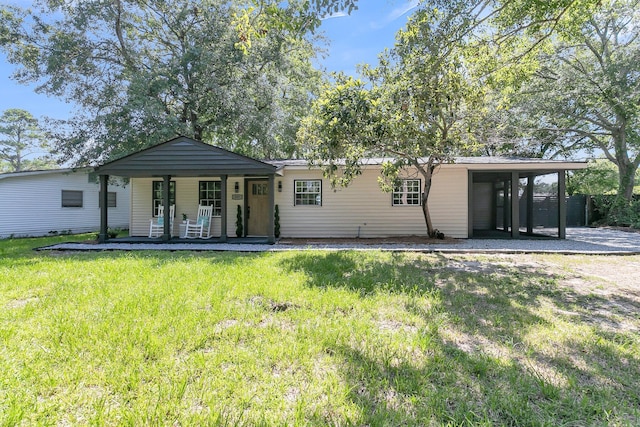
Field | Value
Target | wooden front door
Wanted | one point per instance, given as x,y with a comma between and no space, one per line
258,207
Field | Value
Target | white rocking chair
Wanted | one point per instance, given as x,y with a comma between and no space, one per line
156,225
200,227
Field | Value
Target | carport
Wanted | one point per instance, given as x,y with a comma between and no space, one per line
503,196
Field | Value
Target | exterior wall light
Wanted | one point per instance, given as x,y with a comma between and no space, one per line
279,186
236,187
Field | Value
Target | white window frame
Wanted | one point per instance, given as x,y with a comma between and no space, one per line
302,192
215,202
156,202
408,193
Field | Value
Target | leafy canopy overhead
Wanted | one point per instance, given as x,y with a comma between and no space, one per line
235,73
584,93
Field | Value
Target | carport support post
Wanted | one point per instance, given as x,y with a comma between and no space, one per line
562,205
223,208
515,206
505,205
530,180
271,238
103,236
166,236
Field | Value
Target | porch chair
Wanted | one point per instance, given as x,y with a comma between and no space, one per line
156,225
201,226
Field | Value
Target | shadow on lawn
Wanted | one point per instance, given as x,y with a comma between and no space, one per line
486,354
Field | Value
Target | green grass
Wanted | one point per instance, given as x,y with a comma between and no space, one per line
312,338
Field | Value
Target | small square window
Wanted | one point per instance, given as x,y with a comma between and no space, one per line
308,192
111,199
71,199
407,192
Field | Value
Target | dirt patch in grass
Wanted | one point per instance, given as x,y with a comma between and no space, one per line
606,288
21,303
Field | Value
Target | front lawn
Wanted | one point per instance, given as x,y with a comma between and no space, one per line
316,338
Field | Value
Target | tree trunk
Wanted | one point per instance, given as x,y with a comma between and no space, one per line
427,216
18,161
626,179
427,173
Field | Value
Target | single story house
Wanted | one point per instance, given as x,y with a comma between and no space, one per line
467,196
38,203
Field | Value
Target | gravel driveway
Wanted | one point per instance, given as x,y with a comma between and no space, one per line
578,241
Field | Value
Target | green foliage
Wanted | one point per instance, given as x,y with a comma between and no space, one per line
617,211
141,73
583,95
417,107
276,221
20,136
112,233
239,222
600,177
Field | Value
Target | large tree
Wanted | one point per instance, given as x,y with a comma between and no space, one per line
415,107
236,73
585,94
20,139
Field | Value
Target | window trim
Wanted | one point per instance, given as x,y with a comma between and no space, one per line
68,193
219,208
296,193
418,193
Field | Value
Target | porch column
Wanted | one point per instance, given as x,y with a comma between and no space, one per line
223,207
515,206
530,180
271,236
562,205
166,236
103,236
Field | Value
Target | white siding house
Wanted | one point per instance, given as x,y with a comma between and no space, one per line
363,210
360,210
468,196
38,203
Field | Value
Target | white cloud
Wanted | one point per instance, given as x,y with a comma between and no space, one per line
334,15
395,14
399,11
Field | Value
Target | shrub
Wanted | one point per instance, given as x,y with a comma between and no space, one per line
239,226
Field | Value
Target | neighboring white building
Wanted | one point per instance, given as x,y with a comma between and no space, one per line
39,203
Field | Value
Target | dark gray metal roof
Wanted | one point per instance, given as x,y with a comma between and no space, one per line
481,160
185,157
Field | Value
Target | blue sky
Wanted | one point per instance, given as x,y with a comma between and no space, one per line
354,39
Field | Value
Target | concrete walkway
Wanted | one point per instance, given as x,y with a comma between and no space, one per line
578,241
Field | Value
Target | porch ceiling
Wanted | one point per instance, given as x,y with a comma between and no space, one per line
185,157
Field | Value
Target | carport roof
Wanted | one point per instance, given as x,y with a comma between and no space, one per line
185,157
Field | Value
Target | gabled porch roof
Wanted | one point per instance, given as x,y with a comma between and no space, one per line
185,157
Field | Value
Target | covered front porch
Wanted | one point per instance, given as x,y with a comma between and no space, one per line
184,174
